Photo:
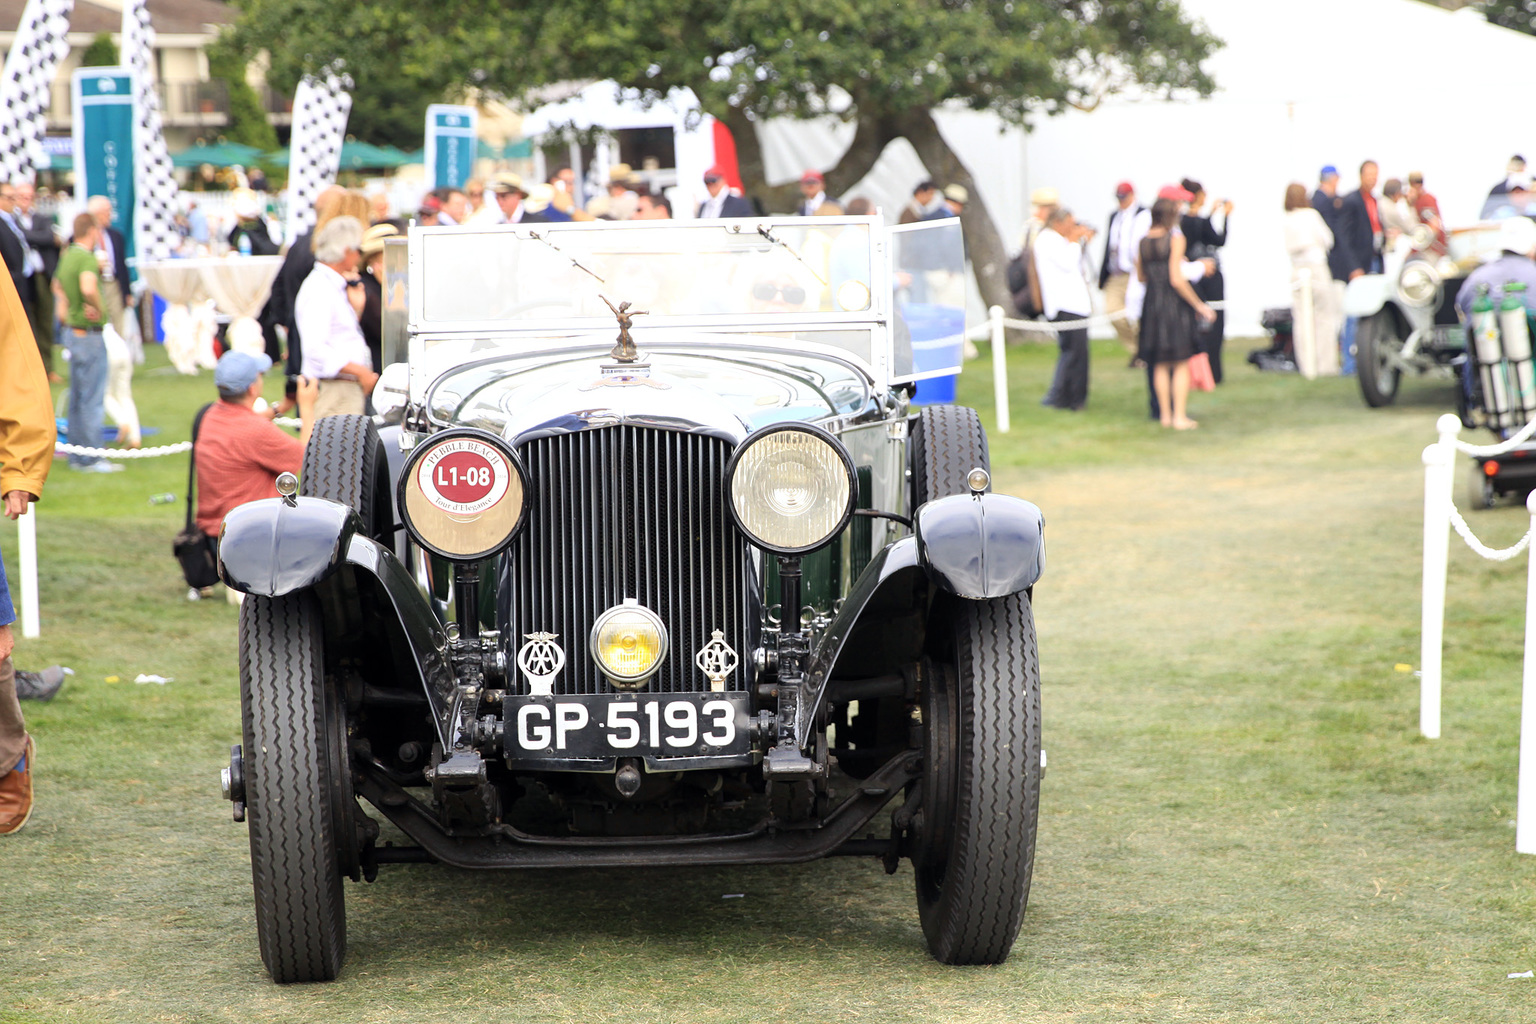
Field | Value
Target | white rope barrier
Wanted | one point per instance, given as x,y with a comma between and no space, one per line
122,453
1490,450
1440,516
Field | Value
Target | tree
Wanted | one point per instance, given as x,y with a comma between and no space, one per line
883,67
102,53
247,119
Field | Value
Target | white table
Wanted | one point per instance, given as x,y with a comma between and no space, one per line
193,289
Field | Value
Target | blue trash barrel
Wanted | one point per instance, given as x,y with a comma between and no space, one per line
938,341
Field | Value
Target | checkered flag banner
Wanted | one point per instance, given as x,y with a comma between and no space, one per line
154,222
320,109
26,86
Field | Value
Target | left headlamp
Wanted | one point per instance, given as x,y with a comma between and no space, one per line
791,487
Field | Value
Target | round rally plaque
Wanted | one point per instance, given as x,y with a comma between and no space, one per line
463,494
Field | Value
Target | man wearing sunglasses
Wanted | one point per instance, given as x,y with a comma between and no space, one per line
722,202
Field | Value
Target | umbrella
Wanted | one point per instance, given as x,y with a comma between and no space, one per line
354,156
220,154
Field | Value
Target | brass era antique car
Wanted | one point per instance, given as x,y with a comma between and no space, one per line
712,593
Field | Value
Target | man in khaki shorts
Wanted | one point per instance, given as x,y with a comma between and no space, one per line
326,312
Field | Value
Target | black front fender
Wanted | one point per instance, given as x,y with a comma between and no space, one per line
271,548
981,546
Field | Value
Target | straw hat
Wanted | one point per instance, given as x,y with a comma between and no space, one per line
373,238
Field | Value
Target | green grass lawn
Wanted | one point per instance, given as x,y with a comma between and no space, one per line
1239,822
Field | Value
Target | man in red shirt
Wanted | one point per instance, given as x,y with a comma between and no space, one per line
240,452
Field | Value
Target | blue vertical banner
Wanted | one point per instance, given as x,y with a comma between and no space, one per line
450,150
103,137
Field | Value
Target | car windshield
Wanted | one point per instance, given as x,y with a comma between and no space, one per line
738,270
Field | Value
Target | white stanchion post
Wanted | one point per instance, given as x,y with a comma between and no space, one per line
26,554
1525,799
999,370
1439,479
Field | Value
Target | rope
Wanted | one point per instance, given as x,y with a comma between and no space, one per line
1514,442
982,331
123,453
1500,555
61,448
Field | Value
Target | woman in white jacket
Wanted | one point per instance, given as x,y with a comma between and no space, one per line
1315,312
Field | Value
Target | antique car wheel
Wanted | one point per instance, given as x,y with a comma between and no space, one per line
947,443
298,789
974,835
345,462
1376,342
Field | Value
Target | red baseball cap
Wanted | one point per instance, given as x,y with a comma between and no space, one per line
812,176
1124,189
1175,192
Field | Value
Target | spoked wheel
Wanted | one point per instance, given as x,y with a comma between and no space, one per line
299,799
345,462
1376,345
973,848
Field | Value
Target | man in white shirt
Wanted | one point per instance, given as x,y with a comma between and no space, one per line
1064,295
1128,225
326,311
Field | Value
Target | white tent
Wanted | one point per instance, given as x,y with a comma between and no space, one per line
1309,83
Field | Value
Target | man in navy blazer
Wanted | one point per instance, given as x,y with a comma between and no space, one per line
722,202
1359,229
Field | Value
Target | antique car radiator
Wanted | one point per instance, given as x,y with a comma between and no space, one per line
631,512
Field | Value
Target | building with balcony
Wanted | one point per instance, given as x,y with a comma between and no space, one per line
192,104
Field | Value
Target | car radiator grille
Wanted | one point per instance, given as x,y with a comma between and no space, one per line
621,512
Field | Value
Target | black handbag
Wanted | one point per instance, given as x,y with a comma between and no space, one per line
192,547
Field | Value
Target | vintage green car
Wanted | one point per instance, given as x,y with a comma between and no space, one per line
646,559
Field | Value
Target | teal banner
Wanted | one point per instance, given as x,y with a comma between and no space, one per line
103,140
450,148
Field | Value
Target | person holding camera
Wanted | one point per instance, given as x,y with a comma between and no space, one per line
1203,238
1064,295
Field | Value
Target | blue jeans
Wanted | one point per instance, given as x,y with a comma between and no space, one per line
87,391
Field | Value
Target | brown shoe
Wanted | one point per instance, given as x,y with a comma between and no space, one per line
16,793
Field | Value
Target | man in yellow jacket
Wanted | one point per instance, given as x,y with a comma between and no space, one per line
26,452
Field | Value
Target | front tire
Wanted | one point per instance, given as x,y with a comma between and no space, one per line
345,462
295,795
974,849
1376,342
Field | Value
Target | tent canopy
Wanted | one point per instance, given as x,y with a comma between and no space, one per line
220,154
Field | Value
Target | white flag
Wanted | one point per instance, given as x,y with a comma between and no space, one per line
154,221
320,109
26,86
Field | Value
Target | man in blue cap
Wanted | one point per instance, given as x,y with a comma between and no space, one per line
239,452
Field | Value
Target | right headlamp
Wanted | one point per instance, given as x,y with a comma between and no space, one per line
791,488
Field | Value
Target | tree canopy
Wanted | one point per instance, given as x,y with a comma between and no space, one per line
882,66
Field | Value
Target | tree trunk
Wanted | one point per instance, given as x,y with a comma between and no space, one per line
989,259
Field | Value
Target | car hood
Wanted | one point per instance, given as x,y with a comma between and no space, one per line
728,394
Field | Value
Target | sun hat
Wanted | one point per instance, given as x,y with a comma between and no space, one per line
957,193
1045,197
373,238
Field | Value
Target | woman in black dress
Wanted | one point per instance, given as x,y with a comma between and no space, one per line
1167,337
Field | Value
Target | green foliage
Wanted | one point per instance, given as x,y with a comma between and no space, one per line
247,119
1516,14
102,53
767,57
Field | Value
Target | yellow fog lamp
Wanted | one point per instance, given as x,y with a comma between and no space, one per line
629,643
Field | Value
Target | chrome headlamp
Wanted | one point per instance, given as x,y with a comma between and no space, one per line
1418,284
463,494
791,488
